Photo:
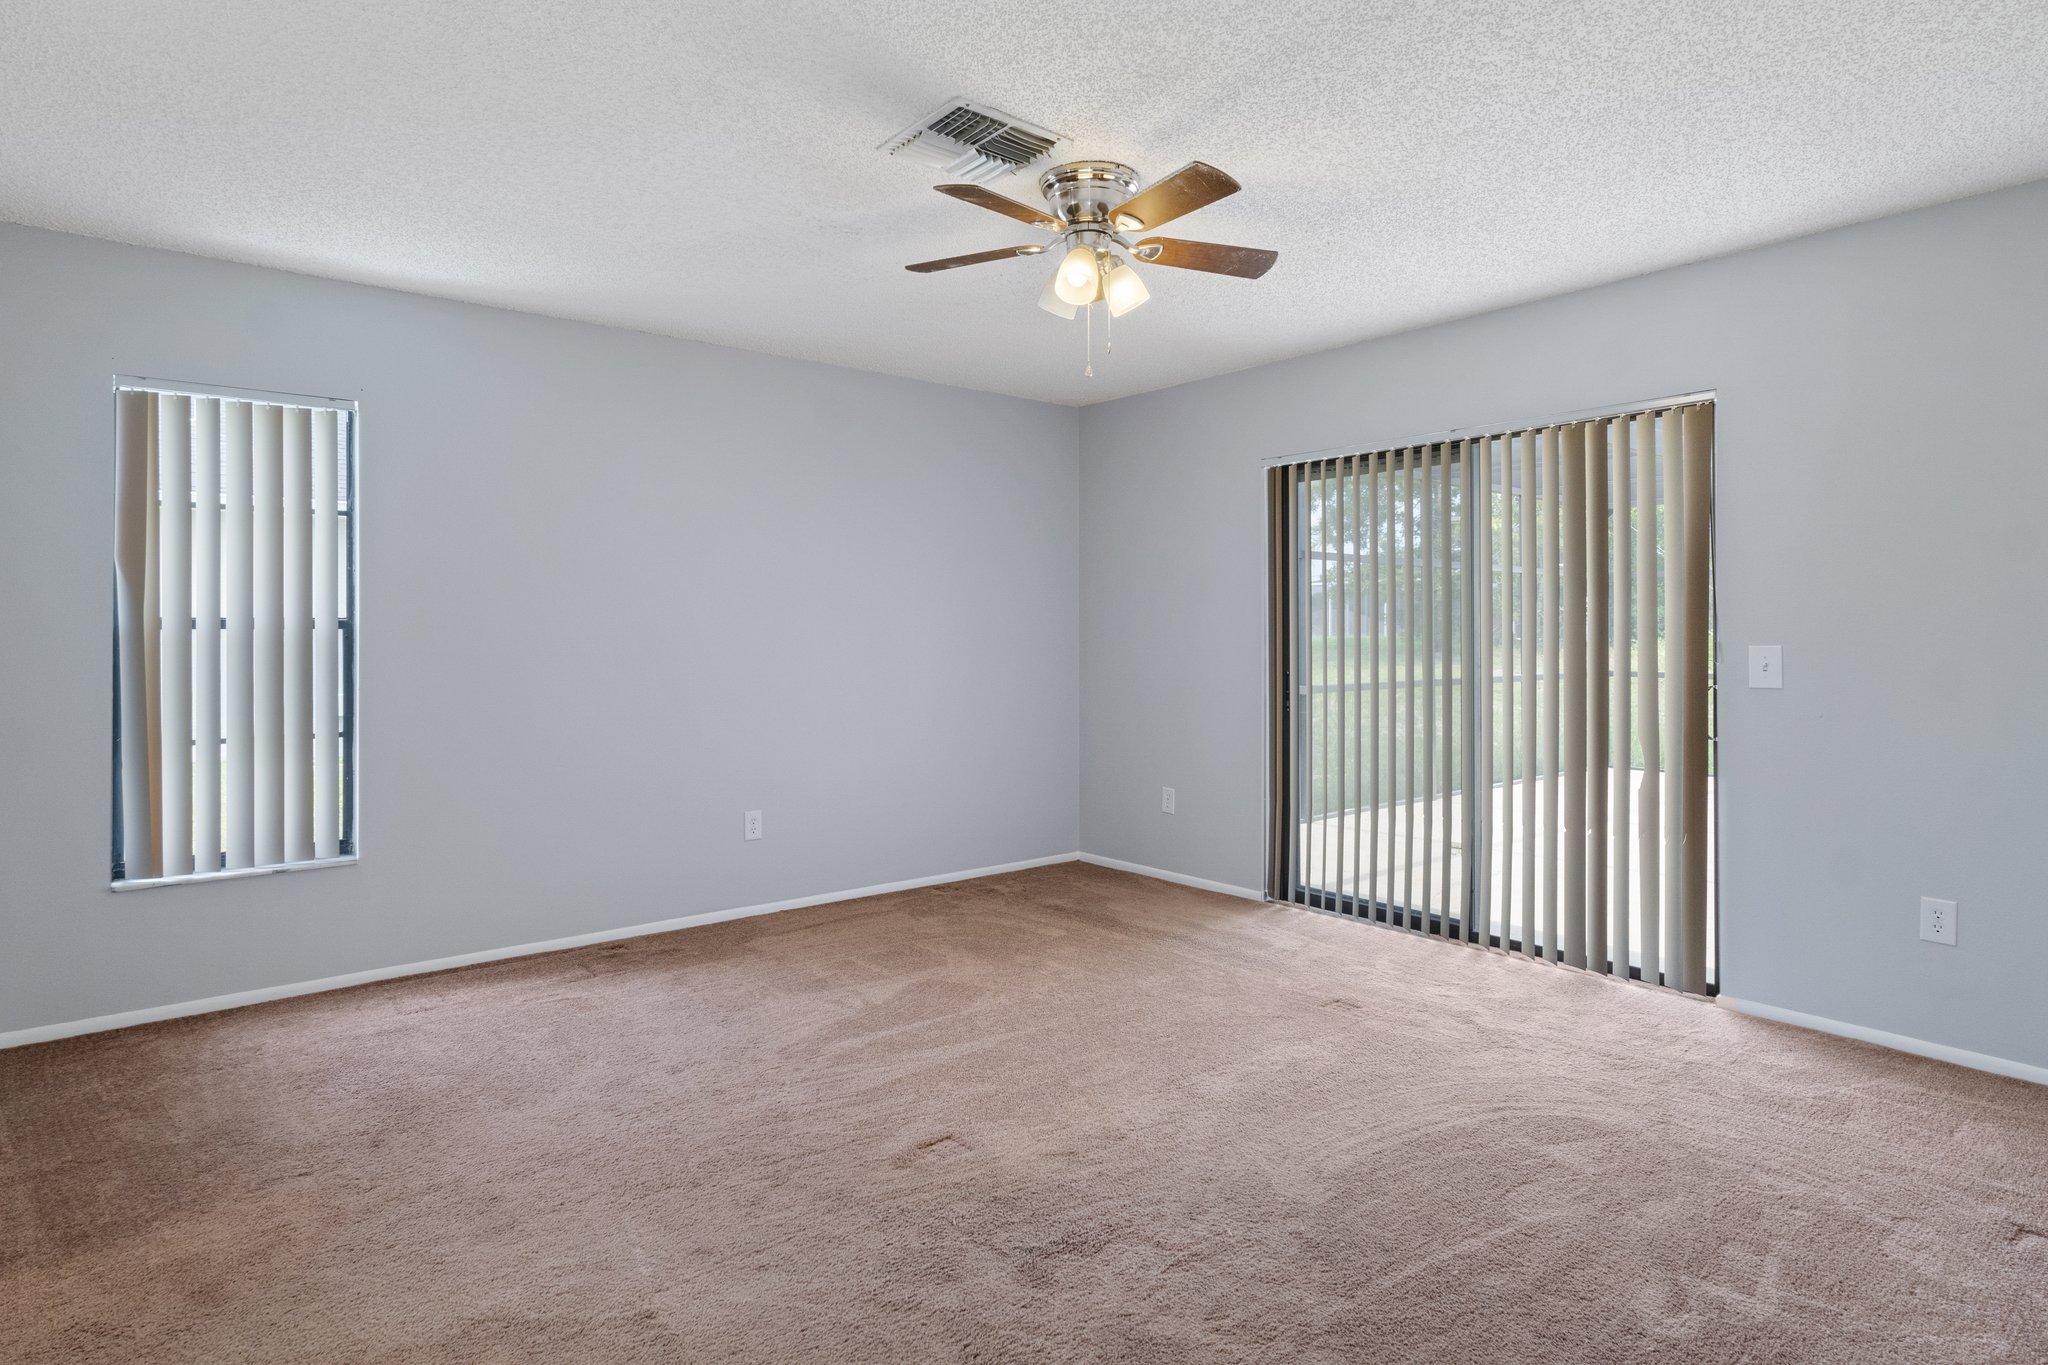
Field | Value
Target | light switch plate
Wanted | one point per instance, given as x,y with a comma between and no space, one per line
1766,666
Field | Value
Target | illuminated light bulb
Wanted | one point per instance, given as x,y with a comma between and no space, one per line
1080,277
1052,303
1124,289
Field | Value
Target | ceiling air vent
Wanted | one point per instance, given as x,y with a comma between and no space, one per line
972,142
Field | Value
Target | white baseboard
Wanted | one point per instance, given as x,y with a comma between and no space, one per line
1179,878
1899,1042
129,1018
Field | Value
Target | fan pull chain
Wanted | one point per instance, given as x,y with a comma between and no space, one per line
1108,331
1088,312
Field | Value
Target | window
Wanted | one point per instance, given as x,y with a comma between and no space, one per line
235,631
1493,666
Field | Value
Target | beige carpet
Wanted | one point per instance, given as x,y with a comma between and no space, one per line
1062,1115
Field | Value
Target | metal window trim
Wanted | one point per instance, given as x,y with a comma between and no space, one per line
234,874
144,384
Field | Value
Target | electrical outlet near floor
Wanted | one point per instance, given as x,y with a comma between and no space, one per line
753,824
1166,799
1938,921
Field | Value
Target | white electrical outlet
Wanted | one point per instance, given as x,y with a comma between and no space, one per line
1938,921
1766,666
1166,799
753,824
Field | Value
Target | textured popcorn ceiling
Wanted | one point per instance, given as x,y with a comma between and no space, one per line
709,170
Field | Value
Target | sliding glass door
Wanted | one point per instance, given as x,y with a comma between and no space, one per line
1493,670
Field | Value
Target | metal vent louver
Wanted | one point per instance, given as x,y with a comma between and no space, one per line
972,142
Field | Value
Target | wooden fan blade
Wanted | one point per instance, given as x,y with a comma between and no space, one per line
1009,208
1245,262
978,258
1186,190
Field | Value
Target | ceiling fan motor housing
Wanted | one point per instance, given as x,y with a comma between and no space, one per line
1085,194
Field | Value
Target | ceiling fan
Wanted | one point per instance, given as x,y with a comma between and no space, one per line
1095,208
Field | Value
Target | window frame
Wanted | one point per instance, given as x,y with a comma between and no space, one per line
1290,590
348,646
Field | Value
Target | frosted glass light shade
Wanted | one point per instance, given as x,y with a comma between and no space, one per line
1052,303
1124,290
1080,277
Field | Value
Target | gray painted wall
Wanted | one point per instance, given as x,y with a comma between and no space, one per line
616,589
714,581
1882,476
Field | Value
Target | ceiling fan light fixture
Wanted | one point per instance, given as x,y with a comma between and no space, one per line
1089,205
1123,289
1080,277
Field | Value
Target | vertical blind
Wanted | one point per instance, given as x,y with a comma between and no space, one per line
1493,664
234,634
